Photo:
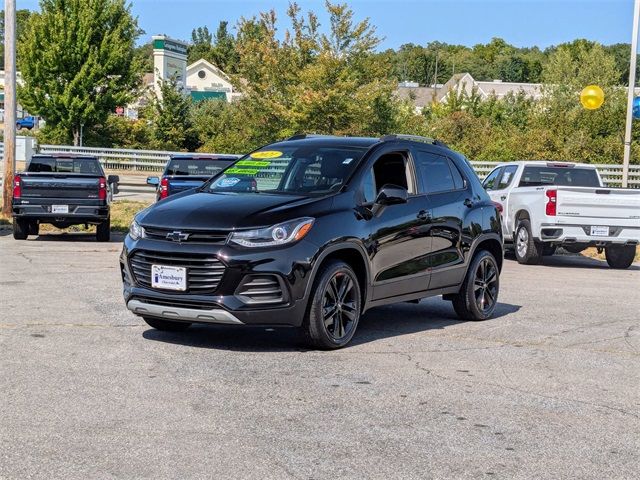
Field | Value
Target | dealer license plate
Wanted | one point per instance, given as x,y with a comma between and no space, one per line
597,231
169,278
59,208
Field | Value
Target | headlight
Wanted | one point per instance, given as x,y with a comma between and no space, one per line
136,231
279,234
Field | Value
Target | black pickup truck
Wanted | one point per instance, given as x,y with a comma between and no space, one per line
62,190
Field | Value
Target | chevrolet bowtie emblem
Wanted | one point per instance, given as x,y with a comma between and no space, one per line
177,236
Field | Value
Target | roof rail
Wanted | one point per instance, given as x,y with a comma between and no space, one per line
414,138
301,136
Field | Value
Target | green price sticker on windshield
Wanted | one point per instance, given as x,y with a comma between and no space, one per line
253,163
242,171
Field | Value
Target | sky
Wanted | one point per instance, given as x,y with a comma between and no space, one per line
468,22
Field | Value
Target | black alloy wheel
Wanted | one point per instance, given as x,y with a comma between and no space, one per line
334,306
478,295
339,306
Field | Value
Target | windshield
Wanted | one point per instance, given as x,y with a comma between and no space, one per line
559,176
302,170
199,167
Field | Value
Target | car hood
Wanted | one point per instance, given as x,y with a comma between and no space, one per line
204,211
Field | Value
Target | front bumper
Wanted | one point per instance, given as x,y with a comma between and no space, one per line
228,303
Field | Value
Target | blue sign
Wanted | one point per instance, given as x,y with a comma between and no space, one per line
636,108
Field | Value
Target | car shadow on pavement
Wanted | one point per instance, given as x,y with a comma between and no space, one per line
74,237
377,324
572,261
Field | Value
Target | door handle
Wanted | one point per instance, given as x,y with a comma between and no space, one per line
468,202
423,215
503,198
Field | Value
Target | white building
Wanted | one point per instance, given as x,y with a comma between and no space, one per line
205,80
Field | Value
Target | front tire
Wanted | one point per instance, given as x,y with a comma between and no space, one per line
478,295
620,256
334,307
528,251
166,325
103,231
20,229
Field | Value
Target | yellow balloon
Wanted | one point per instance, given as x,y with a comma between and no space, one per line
592,97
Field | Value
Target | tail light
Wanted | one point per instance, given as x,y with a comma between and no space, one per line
17,186
164,187
102,188
552,202
499,207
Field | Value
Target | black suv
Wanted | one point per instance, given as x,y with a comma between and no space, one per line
312,232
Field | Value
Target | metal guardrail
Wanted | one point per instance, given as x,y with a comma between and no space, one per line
130,160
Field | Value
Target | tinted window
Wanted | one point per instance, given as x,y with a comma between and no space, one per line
492,179
534,176
437,173
90,166
199,167
506,177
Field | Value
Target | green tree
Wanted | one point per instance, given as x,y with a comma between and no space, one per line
77,63
22,19
225,56
172,125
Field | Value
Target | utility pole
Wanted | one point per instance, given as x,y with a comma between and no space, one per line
9,104
630,95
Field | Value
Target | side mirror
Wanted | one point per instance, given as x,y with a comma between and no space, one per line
392,195
153,181
114,180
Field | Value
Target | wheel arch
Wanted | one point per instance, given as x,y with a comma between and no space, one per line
353,255
493,244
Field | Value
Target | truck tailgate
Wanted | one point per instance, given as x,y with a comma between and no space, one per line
603,203
68,186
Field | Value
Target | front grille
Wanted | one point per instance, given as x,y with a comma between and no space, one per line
216,237
204,272
260,289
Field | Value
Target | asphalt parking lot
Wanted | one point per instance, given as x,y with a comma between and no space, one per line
548,389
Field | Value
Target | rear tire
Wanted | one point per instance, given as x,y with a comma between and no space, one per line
166,325
478,295
20,229
34,228
528,251
334,307
103,231
620,256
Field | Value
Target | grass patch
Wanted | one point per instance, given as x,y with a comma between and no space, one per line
122,213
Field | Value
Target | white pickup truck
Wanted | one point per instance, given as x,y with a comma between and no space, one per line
550,204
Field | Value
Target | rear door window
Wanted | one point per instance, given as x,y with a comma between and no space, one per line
438,173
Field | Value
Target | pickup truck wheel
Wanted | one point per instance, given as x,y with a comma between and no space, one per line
103,231
166,325
20,229
478,295
334,307
620,256
528,251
